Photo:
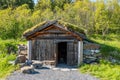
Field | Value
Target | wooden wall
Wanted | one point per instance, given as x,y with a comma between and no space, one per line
46,49
43,49
72,53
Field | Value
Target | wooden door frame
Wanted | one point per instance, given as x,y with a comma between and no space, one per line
56,48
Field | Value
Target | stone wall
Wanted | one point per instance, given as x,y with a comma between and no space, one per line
22,49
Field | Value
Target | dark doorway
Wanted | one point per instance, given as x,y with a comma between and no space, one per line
62,52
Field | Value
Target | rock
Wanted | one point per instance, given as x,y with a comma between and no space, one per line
28,62
22,49
27,69
65,69
49,62
20,59
74,69
37,64
113,60
87,52
55,68
11,62
23,64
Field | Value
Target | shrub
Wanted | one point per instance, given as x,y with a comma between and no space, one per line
5,67
7,50
10,46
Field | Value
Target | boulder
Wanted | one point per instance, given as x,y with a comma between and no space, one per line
27,69
37,64
28,62
23,64
20,59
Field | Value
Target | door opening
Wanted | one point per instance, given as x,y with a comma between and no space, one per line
62,52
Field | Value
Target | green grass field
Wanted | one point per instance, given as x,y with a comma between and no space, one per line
110,46
5,67
104,70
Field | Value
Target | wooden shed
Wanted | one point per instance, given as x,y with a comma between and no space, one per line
55,41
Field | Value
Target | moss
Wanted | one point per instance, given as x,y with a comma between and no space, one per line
71,26
34,27
65,24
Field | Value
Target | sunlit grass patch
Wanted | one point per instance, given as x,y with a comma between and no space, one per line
104,70
5,67
109,46
8,49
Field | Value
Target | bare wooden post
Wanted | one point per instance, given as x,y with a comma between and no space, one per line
80,52
29,49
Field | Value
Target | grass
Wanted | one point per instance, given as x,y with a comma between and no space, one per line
110,46
65,24
5,67
104,70
11,45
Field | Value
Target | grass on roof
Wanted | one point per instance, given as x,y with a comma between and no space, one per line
71,26
65,24
34,27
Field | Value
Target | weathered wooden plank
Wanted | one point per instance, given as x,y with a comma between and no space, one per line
76,52
43,49
80,52
46,49
70,54
29,49
33,49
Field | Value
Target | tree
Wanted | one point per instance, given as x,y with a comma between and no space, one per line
15,3
14,22
43,4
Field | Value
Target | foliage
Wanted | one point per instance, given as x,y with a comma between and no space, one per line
13,22
15,3
109,45
45,4
6,56
9,46
5,67
71,26
105,70
35,27
65,24
94,17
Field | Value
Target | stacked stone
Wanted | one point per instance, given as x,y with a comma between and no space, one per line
22,49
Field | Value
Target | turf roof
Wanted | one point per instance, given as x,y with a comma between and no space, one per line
39,26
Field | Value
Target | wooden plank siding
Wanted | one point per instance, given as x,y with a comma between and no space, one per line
46,49
43,49
72,53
